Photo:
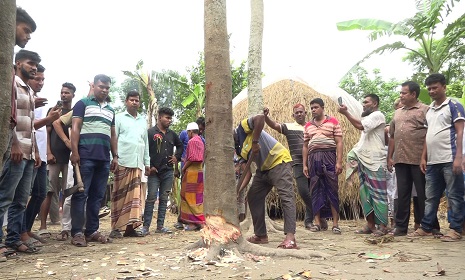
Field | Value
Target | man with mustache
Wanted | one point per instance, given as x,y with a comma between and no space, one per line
369,157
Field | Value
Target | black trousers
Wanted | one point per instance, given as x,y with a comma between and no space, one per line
407,176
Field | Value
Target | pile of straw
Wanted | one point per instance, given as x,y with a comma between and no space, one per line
280,98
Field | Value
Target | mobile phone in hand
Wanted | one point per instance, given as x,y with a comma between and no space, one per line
339,100
59,104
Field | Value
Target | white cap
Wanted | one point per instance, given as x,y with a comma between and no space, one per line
192,126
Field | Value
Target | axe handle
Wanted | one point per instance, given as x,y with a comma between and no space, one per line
247,170
78,173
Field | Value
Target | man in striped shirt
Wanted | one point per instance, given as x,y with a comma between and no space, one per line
294,133
92,136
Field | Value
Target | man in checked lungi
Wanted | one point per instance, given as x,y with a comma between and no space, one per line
369,157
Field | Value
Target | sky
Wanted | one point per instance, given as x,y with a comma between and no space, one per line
80,39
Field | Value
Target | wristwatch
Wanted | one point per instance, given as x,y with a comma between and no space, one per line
254,141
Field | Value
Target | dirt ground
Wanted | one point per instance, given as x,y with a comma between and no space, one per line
162,256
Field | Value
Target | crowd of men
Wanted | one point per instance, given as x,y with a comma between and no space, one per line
86,142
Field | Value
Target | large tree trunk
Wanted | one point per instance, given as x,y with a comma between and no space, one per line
255,97
7,43
220,192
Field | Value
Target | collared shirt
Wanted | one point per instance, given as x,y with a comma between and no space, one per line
161,147
195,149
322,136
185,139
97,120
408,128
371,149
271,151
294,133
25,119
441,135
133,147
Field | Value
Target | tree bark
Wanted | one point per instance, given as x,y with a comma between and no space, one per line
7,43
255,96
220,193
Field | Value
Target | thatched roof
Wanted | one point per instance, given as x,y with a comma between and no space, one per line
281,96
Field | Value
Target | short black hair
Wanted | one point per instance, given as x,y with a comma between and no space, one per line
435,78
165,111
373,97
23,16
102,78
318,101
25,54
132,93
70,86
40,68
412,87
200,121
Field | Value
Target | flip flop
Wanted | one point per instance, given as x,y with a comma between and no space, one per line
44,233
190,228
451,236
364,230
37,237
79,240
29,249
419,233
288,244
315,228
258,239
336,230
379,233
32,242
8,253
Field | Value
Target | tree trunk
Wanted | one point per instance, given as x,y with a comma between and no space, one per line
7,43
220,191
255,97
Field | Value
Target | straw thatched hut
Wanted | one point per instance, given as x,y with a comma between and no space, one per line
281,97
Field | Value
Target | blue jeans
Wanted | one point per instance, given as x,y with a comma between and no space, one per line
17,177
94,175
162,184
38,193
439,177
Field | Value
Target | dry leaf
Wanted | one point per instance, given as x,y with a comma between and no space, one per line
141,267
307,274
441,270
387,270
286,277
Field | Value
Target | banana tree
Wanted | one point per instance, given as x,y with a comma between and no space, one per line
147,94
422,28
196,91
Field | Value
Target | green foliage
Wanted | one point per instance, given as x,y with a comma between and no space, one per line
433,52
359,83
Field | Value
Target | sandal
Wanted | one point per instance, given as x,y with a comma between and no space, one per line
288,244
44,233
315,228
178,225
364,230
32,242
451,236
258,239
379,233
8,253
63,235
419,233
116,234
19,244
191,228
336,230
79,240
98,237
308,226
37,237
163,230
